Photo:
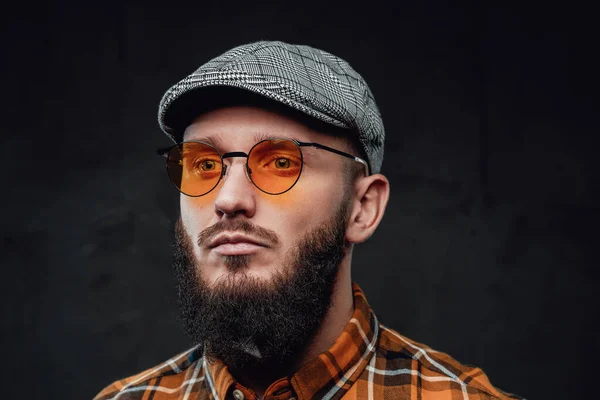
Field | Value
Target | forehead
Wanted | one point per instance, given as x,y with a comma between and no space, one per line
242,118
243,125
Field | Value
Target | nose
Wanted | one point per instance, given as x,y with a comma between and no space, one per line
237,194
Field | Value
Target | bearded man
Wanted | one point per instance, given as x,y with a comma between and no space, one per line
277,155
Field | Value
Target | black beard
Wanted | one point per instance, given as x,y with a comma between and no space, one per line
247,322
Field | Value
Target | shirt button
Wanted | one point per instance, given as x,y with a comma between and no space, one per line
238,395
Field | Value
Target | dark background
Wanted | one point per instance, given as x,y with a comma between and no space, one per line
488,249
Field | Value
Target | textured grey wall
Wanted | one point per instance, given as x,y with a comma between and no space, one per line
488,250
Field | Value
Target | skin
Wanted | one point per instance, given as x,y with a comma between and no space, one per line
315,197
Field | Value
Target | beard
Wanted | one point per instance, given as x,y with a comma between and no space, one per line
248,322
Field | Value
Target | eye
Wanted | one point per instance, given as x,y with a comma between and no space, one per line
205,167
282,163
208,165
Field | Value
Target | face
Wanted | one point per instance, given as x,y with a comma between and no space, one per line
236,230
272,248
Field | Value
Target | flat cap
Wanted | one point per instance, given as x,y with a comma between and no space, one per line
309,80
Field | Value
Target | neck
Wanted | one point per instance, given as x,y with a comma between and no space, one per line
334,322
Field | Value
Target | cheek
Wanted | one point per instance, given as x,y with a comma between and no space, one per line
313,190
303,208
291,199
196,211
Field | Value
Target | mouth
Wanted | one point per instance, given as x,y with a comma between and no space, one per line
236,244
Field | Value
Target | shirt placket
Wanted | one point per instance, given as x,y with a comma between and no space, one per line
279,390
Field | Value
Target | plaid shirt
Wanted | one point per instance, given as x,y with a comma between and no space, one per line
367,361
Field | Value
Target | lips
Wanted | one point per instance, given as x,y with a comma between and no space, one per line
235,238
235,244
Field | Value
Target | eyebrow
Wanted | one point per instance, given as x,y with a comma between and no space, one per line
213,140
217,141
259,136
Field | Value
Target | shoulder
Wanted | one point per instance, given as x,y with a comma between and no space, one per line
407,362
168,375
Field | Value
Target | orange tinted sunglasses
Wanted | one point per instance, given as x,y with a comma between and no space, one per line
273,165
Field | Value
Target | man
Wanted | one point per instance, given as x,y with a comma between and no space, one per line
277,158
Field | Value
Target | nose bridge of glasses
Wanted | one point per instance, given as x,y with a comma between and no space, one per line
235,154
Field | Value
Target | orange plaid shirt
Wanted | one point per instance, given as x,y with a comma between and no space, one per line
367,361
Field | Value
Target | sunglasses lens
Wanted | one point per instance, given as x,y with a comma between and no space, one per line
194,168
275,165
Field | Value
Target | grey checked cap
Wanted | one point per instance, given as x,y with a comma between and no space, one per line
310,80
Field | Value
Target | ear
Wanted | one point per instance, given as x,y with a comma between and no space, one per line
371,196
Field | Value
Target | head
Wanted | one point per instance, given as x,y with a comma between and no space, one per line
257,272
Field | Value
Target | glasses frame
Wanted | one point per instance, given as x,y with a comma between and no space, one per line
164,152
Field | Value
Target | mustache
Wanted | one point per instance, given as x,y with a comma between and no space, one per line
239,225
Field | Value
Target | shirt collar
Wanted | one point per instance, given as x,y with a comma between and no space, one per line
331,371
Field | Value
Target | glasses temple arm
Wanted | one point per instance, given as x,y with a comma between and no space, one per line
341,153
164,152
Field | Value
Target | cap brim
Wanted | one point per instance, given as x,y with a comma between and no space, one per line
177,112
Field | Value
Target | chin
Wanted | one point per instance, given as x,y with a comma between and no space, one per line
249,275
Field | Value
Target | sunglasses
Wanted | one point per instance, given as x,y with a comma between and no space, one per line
273,165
